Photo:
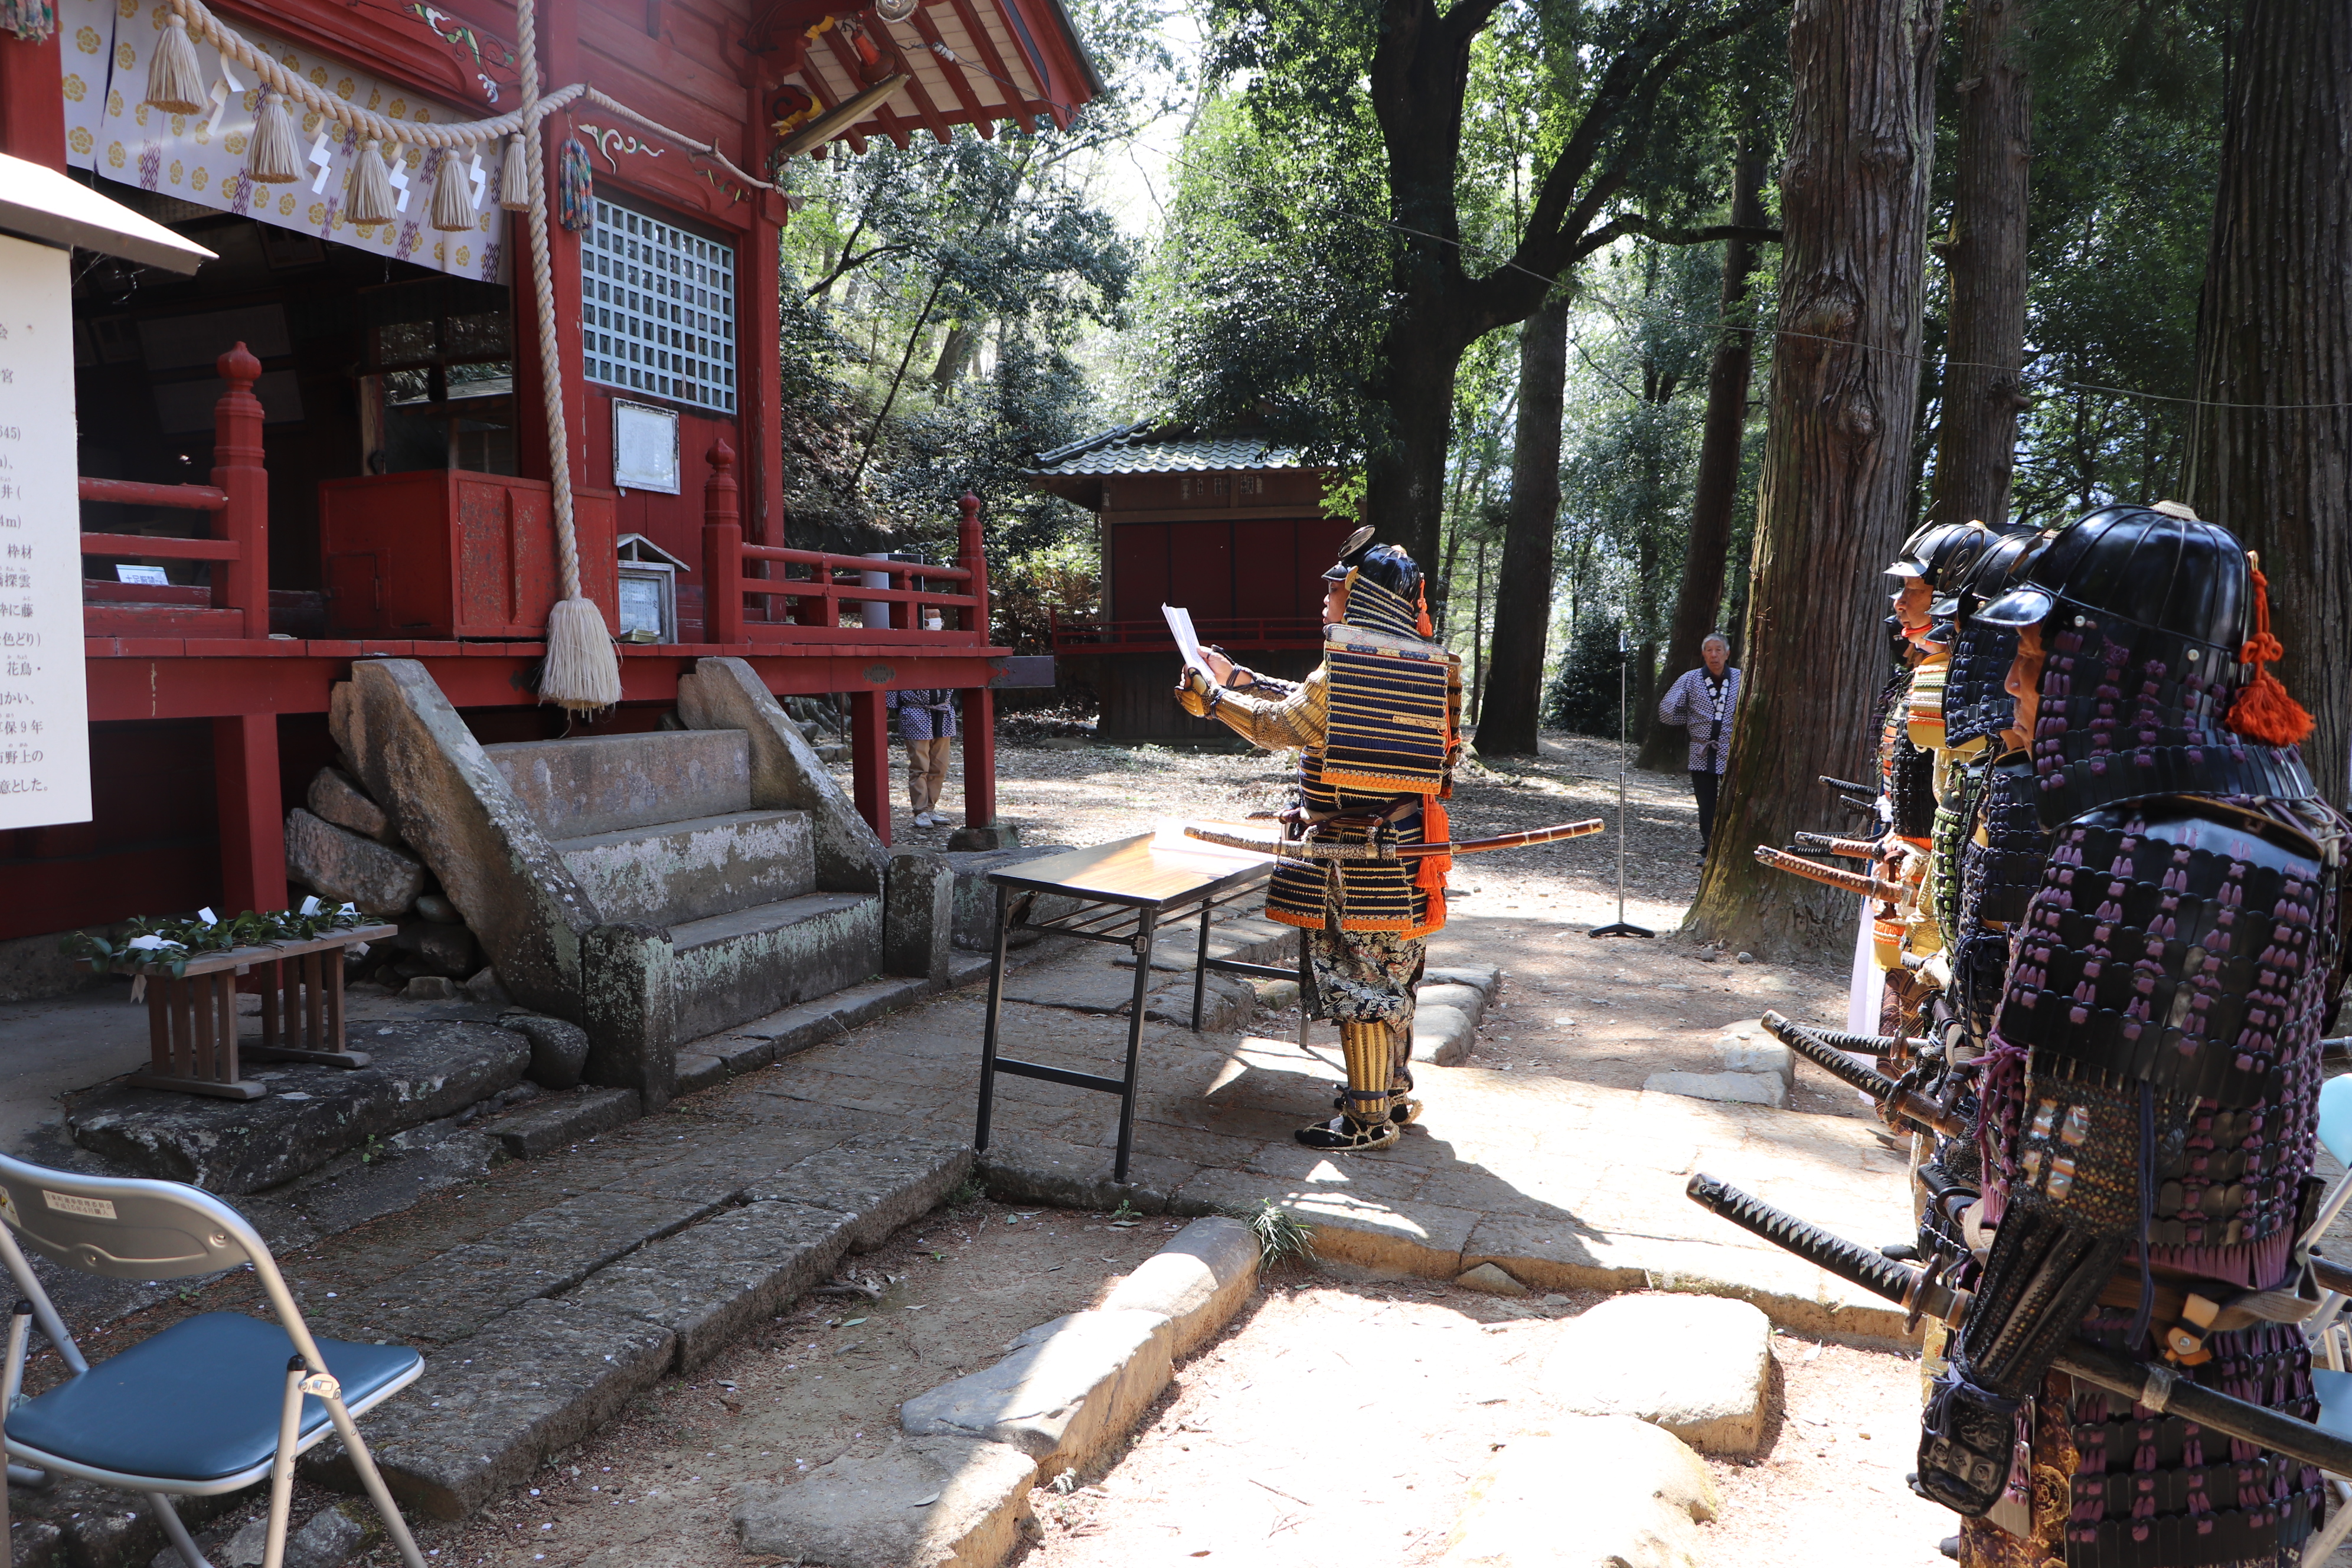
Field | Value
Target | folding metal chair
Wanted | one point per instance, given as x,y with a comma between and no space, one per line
209,1406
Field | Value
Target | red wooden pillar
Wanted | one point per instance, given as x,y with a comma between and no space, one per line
869,756
238,469
32,100
722,550
252,818
979,703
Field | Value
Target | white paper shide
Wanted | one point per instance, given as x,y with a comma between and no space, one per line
44,707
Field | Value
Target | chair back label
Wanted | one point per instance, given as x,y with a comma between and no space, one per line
66,1203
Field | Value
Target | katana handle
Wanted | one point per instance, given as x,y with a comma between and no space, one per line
2159,1388
1893,1095
1850,787
1831,877
1912,1289
1829,843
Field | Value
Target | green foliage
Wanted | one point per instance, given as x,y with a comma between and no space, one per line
1028,590
1583,698
152,943
1283,1238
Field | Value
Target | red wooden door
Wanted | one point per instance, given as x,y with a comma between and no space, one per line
1139,571
1201,568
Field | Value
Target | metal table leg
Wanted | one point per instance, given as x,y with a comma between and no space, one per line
988,1034
1200,965
1147,923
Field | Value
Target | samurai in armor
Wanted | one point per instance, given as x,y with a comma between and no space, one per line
1376,728
2148,1093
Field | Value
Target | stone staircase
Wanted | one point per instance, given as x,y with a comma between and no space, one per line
660,829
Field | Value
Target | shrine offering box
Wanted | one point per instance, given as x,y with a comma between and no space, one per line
443,553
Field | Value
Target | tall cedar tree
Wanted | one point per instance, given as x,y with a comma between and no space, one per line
1419,73
2269,456
1837,472
1984,258
1508,717
1706,557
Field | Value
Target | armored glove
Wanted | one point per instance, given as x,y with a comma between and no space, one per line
1195,694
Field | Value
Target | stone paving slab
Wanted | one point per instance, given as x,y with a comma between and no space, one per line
876,1182
708,1284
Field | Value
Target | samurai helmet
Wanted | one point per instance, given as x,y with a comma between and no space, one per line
1941,554
1383,584
1977,703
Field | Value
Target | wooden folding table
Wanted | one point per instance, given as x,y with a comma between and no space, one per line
1123,891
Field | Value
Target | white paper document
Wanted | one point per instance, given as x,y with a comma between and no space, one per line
1188,642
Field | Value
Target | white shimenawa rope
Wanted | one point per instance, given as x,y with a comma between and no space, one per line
581,670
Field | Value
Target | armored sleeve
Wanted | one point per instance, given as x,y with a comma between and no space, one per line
1275,723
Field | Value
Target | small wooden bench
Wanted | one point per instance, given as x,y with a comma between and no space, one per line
192,1026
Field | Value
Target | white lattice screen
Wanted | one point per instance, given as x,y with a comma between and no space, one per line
659,310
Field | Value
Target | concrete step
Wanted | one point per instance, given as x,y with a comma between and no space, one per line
603,784
733,967
687,871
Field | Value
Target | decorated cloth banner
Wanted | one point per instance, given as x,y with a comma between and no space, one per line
201,158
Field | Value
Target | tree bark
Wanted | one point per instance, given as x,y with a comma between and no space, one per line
1513,701
2274,336
1984,255
1834,496
1705,561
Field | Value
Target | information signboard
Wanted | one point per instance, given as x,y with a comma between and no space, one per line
44,707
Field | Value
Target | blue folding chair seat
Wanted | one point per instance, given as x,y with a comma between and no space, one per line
219,1377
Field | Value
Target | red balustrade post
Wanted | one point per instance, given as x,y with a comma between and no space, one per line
869,758
722,550
978,701
238,469
252,817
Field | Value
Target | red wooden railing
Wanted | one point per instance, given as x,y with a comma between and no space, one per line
238,502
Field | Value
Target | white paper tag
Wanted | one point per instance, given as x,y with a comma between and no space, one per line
66,1203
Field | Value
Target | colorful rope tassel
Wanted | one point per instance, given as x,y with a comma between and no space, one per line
2264,712
576,187
31,21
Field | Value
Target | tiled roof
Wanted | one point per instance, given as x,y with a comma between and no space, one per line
1134,449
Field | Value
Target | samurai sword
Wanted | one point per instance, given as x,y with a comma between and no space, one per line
1297,849
1918,1290
1869,887
1849,787
1829,843
1891,1097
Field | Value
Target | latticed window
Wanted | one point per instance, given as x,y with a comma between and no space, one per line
658,309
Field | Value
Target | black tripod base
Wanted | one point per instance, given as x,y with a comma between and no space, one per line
1620,929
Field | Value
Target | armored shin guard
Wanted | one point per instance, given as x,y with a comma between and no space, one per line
1363,1122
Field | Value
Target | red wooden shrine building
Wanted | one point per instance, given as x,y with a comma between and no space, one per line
389,492
1235,531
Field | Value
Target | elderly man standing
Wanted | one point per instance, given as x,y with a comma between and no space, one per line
1703,702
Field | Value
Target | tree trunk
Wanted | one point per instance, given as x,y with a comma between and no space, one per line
1985,258
1705,559
2274,336
1834,496
1514,702
1405,488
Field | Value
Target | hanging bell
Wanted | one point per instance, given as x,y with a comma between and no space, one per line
272,158
175,82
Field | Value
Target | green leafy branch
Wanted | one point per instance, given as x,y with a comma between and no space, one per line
145,943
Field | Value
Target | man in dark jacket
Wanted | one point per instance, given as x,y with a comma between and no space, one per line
1703,702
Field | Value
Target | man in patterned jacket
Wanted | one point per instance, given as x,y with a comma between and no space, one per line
1703,702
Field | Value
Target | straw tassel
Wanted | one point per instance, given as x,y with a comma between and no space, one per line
175,83
2262,709
452,194
581,672
370,187
272,158
576,187
514,178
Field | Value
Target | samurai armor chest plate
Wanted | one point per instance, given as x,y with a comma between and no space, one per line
1352,895
1389,716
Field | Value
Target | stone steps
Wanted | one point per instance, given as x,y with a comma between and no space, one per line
733,967
601,784
690,869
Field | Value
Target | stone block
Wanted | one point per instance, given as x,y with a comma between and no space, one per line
1696,1365
445,949
419,1072
484,987
1441,1036
709,1283
561,1120
1730,1087
918,915
559,1047
747,963
1066,1396
334,797
1198,1281
436,907
344,867
1759,1057
587,785
999,836
879,1181
785,771
628,1005
697,1071
488,1409
1491,1279
679,871
1481,977
1601,1491
924,1502
429,988
1227,1002
1468,1000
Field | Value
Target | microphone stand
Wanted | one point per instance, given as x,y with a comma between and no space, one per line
1622,926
